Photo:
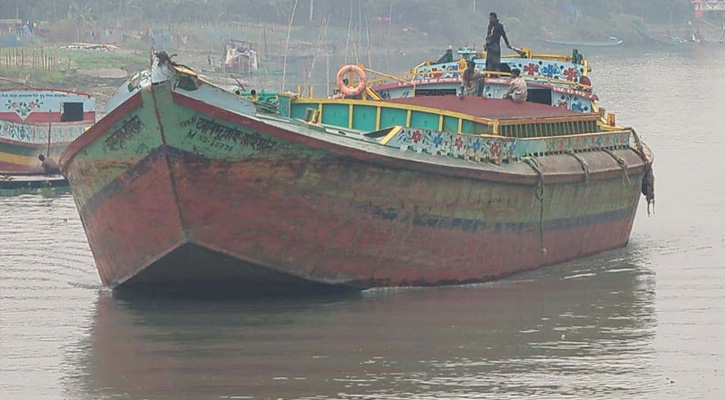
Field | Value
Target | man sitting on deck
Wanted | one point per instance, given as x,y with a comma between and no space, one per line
49,166
518,91
493,43
472,81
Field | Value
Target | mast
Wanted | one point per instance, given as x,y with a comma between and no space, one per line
349,27
286,47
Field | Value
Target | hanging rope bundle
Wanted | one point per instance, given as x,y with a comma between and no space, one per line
648,182
623,165
539,193
585,167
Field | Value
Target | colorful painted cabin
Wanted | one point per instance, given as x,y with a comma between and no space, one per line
552,79
474,128
40,121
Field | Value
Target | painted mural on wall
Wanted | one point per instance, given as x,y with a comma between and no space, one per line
24,107
501,149
25,102
552,69
473,147
38,134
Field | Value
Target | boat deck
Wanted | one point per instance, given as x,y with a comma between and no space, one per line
500,109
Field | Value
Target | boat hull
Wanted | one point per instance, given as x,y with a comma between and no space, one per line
21,144
22,158
172,190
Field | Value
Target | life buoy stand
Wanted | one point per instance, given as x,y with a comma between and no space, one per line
347,90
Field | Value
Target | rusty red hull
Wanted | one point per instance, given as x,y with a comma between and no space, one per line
302,210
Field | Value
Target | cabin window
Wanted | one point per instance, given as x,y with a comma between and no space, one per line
435,92
71,112
541,96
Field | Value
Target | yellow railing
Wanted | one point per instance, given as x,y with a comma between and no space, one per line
495,125
527,54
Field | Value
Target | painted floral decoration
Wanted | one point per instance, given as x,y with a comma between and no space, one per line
22,108
438,140
571,74
550,71
417,136
531,69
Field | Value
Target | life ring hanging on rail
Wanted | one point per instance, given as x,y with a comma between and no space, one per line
462,64
347,90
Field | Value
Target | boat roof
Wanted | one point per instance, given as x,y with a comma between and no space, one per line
10,86
501,109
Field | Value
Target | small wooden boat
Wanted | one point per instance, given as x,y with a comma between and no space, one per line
610,42
183,183
39,121
19,184
239,57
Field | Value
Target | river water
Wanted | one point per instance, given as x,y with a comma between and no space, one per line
647,321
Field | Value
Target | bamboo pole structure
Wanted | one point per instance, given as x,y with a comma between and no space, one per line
286,47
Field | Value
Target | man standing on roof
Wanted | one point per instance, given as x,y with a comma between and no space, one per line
493,43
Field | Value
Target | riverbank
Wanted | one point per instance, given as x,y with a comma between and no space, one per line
314,52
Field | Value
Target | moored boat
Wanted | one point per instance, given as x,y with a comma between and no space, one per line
37,122
185,183
20,184
610,42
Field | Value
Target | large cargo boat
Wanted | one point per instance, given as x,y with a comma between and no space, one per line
37,122
185,183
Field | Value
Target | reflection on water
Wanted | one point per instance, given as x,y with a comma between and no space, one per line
645,321
591,324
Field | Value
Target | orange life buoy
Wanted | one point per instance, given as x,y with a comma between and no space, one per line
347,90
462,64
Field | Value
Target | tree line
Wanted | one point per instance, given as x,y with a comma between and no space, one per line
278,11
456,21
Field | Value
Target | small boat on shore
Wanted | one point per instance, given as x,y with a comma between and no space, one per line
183,183
39,121
20,184
557,80
610,42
